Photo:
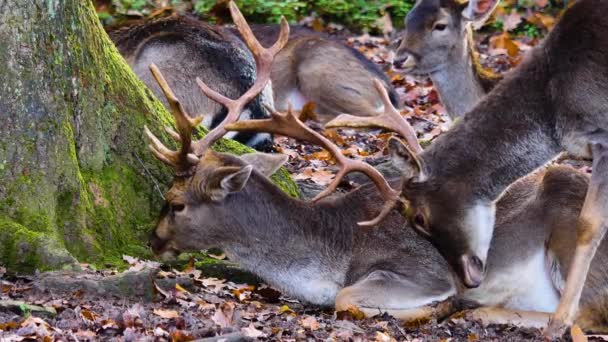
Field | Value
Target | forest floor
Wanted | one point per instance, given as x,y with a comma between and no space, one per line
183,303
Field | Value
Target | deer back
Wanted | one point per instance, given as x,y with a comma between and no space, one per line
316,68
184,48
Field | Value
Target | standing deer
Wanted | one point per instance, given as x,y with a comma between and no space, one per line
211,203
556,100
438,42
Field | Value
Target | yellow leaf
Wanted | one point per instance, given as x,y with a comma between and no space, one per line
179,288
286,309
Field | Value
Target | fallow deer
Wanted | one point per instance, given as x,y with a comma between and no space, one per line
316,68
555,100
223,200
185,48
438,42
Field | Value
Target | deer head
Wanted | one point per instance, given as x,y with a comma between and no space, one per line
197,183
203,184
431,207
435,34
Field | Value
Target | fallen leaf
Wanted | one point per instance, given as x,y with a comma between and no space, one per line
88,315
224,315
252,332
311,323
511,21
505,43
168,314
382,337
352,313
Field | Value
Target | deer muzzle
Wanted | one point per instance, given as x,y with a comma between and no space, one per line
405,62
471,270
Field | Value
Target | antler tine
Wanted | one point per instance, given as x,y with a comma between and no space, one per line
182,159
289,125
264,58
391,120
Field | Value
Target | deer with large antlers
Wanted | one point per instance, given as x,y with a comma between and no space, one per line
226,201
554,101
184,48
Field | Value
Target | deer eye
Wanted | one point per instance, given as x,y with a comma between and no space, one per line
439,27
420,224
177,207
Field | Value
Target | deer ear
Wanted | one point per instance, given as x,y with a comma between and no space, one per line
478,11
266,163
227,180
405,160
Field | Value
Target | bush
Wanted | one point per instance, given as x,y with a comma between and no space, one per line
354,14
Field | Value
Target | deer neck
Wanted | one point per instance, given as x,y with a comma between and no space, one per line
300,248
506,136
462,82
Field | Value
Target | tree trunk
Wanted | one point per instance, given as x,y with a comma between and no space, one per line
76,179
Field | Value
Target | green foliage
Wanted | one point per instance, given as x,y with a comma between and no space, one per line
355,14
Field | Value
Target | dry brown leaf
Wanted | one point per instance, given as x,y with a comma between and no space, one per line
224,315
88,315
352,313
504,42
311,323
308,112
540,19
168,314
382,337
252,332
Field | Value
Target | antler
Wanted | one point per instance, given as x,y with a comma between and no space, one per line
391,120
182,160
263,61
190,151
289,125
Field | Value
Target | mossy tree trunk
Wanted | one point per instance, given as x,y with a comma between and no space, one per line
76,179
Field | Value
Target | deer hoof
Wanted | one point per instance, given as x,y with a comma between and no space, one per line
555,330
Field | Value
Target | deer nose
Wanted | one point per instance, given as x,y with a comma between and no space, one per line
405,61
472,270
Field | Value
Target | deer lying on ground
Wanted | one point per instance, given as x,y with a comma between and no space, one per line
555,100
185,48
438,42
311,68
325,71
223,200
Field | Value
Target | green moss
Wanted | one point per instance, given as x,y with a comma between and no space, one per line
28,251
76,178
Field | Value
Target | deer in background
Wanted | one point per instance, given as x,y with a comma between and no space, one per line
315,68
311,68
556,100
185,48
438,42
211,203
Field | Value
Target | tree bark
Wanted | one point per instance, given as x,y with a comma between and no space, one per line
76,179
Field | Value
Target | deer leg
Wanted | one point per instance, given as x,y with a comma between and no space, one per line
494,315
592,225
394,294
